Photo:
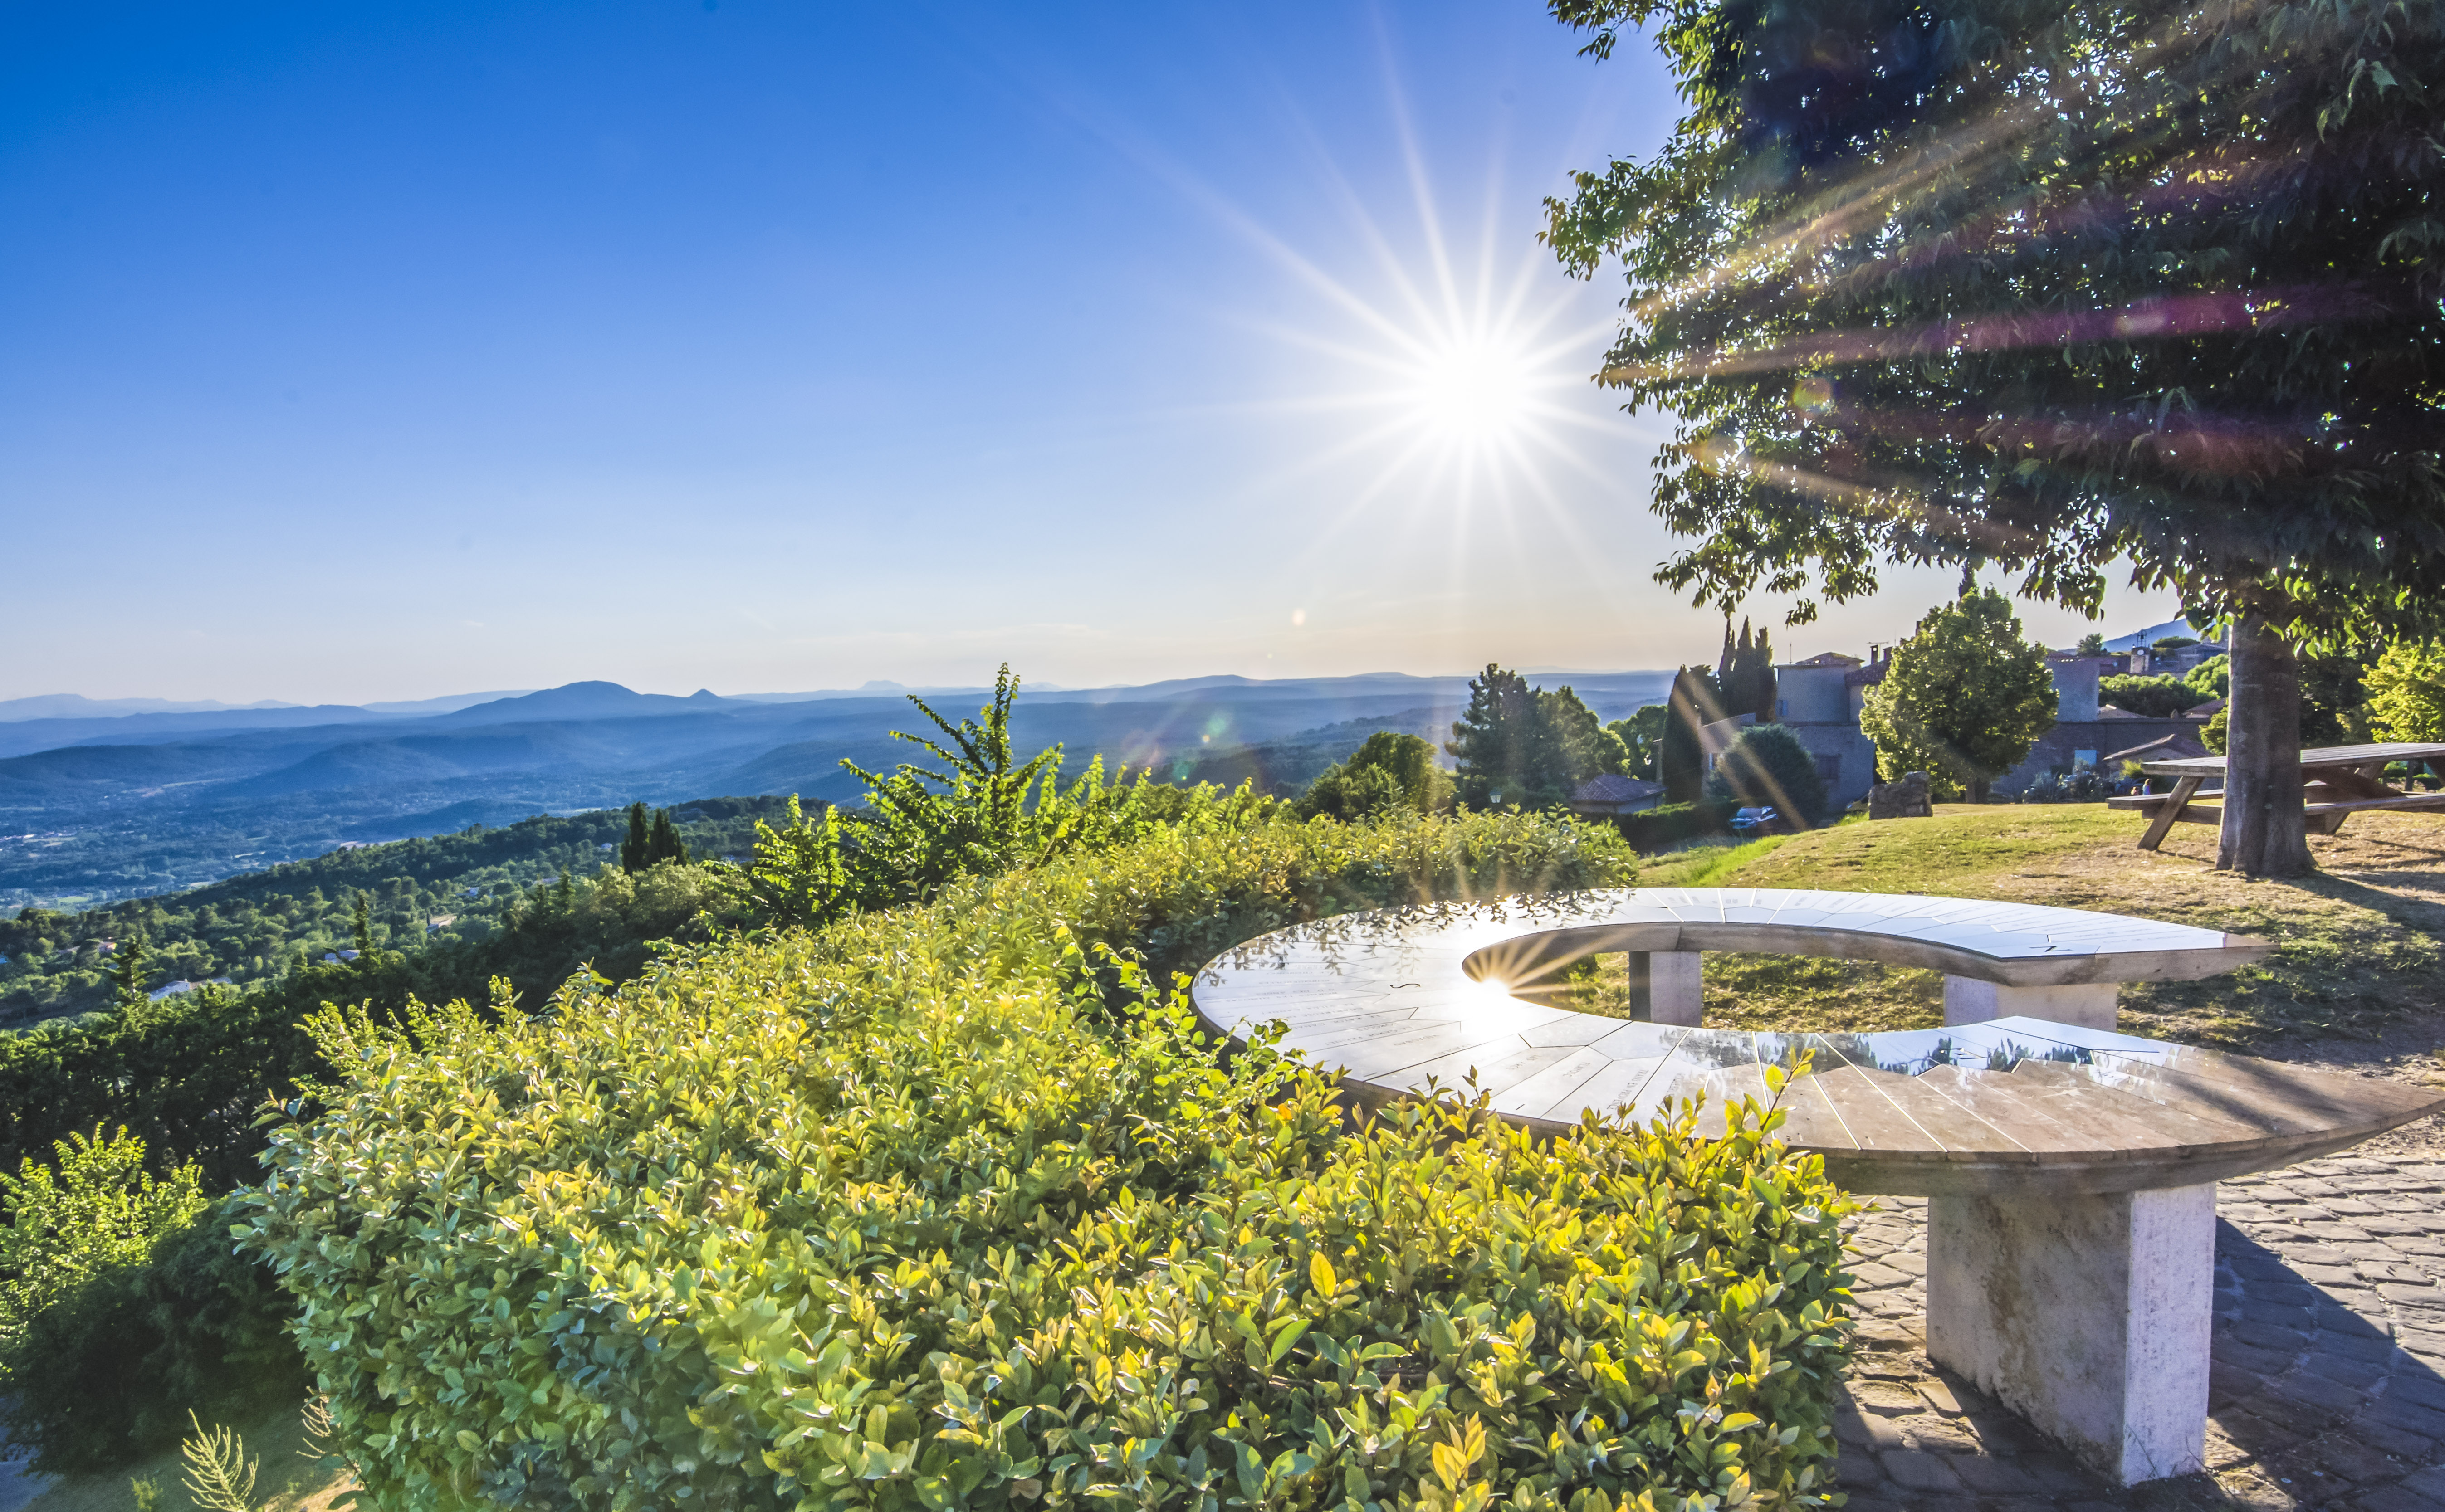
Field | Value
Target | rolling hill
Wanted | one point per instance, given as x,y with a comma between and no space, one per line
93,809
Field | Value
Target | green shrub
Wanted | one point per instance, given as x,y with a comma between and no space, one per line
108,1371
948,1206
122,1305
1765,765
1673,823
2158,698
1389,771
99,1209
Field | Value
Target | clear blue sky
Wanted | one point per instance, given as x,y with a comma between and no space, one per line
354,352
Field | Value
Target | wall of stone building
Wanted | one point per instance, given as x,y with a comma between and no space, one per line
2058,749
2076,686
1811,695
1845,757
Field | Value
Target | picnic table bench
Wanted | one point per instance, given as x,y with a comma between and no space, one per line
2070,1169
2339,781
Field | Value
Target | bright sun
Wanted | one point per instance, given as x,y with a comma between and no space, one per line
1474,390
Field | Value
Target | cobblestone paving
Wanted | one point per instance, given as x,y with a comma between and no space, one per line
2328,1378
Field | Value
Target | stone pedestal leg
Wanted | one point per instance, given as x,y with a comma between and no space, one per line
2089,1004
2089,1316
1665,986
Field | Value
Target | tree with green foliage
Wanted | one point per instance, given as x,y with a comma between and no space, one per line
1389,771
663,843
127,973
2093,644
2211,679
93,1207
1493,739
636,851
1680,765
1963,700
1744,676
2050,286
1525,746
1642,737
1766,766
2407,692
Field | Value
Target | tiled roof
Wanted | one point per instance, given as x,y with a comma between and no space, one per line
1609,787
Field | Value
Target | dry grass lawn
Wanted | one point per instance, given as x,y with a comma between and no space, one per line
2359,946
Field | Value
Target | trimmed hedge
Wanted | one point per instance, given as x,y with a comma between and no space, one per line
951,1206
1659,829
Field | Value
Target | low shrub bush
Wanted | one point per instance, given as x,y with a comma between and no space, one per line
122,1305
1673,824
109,1370
2158,698
2085,786
951,1206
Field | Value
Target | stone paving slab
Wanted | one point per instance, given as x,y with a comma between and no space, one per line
2328,1384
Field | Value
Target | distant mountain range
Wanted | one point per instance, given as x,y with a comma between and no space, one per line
97,806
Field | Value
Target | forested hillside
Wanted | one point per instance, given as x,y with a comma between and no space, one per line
420,893
101,810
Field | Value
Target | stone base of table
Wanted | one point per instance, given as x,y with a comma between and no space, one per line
1666,986
2088,1316
2088,1004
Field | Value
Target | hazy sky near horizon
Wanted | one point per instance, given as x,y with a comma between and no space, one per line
352,353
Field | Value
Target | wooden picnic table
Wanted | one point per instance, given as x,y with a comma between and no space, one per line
2339,781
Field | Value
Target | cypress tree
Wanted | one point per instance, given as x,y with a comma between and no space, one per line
1678,765
127,974
634,852
664,842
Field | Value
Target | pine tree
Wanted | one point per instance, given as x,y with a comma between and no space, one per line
365,929
1490,740
635,852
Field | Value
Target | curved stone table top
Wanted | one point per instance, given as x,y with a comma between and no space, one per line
1404,998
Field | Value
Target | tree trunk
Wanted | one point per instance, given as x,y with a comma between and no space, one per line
2264,832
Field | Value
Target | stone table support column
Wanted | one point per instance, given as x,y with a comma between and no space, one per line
1665,986
2089,1315
2089,1004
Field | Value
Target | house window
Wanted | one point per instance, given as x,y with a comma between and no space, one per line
1829,770
1781,707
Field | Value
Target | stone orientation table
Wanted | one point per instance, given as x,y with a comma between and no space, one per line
2070,1169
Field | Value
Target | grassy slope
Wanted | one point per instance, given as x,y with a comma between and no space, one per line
2360,947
